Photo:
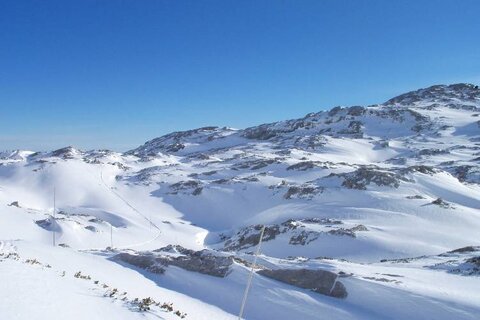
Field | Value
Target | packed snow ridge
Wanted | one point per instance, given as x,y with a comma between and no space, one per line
369,213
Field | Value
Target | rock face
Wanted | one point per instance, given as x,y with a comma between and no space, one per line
143,261
441,203
205,261
348,232
361,178
14,204
464,261
438,93
301,232
178,141
466,173
476,262
187,187
465,249
250,236
46,224
304,191
320,281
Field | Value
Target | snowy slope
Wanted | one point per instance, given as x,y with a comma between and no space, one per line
358,192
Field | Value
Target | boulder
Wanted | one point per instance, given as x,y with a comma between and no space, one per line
204,261
320,281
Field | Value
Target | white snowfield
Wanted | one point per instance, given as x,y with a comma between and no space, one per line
385,197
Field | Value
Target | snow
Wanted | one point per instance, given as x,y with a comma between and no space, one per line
383,167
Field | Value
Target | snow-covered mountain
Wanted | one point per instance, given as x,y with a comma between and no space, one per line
369,213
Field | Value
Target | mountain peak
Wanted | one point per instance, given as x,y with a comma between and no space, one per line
179,140
459,92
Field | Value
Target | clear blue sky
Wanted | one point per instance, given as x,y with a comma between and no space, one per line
113,74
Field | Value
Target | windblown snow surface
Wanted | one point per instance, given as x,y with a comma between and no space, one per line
384,198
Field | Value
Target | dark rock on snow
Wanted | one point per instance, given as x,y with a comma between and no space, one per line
320,281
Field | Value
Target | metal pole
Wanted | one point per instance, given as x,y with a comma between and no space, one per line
53,222
111,236
250,277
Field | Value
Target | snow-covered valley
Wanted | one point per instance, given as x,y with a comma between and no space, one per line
369,213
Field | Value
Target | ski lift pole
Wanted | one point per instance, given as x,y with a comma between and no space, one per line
53,217
250,277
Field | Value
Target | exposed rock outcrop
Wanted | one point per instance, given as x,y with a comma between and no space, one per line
362,177
205,261
320,281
